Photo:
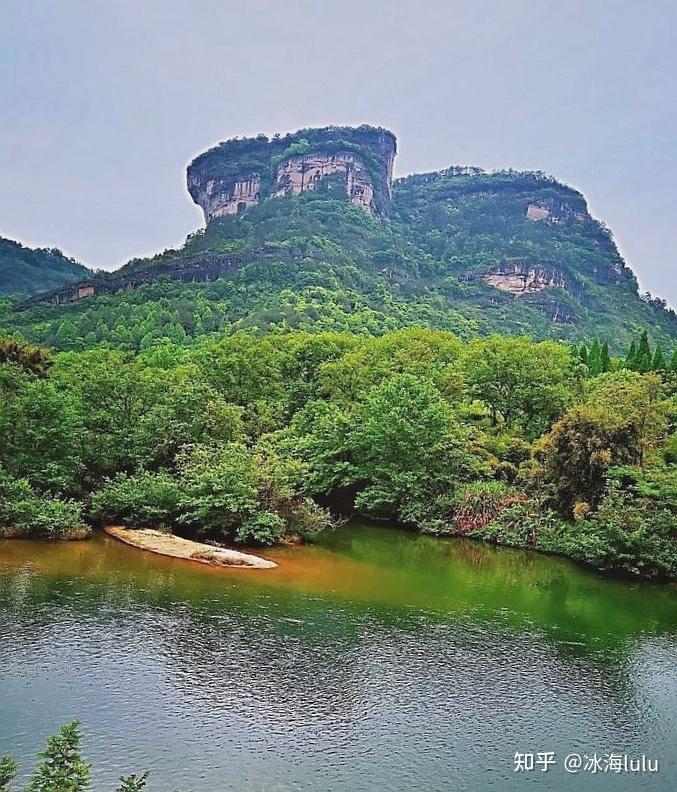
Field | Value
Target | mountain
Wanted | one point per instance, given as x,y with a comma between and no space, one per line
30,270
534,240
308,230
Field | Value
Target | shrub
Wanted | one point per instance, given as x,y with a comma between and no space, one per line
224,492
264,528
146,500
630,536
27,513
479,503
526,523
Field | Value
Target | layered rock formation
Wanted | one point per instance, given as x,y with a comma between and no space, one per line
310,171
555,212
522,279
189,269
466,249
220,197
238,174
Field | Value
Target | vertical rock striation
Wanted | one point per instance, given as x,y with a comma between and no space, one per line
237,174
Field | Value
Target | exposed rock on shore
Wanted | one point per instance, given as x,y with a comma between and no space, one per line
176,547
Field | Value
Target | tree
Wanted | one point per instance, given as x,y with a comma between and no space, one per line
409,451
31,359
658,362
521,382
427,354
40,431
643,361
7,772
133,783
632,404
595,358
576,453
63,768
606,358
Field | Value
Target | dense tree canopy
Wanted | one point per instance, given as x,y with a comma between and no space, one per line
256,439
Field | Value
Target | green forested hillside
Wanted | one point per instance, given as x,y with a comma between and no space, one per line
316,262
30,270
480,227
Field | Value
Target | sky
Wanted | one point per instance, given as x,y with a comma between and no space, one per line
104,102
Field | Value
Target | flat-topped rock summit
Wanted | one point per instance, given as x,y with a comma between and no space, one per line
240,173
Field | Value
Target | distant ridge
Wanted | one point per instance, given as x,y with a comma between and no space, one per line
25,270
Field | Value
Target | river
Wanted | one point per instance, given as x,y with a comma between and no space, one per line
375,660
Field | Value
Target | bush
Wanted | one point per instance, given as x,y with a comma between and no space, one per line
225,492
264,528
630,536
146,500
479,503
27,513
527,524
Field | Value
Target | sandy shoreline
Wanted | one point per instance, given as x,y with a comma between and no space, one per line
176,547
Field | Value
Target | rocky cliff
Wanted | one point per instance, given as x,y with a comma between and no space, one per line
240,173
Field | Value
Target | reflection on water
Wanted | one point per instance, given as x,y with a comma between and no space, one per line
377,660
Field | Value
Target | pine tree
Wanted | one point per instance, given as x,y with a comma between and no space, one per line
606,357
63,768
673,360
583,354
658,362
133,783
631,357
595,358
644,354
7,772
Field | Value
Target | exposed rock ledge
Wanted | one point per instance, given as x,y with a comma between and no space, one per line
522,279
176,547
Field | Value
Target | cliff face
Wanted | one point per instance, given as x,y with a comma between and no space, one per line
523,234
188,269
238,174
219,197
311,171
522,279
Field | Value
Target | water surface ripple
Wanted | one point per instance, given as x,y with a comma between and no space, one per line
378,660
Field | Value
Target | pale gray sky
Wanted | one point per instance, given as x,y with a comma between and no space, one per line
103,102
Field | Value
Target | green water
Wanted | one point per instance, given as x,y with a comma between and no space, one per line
376,660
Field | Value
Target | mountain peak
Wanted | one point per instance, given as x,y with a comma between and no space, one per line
240,173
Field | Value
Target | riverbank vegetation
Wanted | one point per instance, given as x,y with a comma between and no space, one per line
255,439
